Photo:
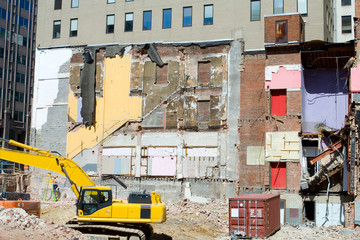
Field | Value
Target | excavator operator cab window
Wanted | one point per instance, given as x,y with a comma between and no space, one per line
90,202
93,200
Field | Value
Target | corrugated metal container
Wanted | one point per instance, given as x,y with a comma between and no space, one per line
254,215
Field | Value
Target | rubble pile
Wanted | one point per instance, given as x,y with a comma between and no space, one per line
322,233
214,212
17,222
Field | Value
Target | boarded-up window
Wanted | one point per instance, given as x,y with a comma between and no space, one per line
161,74
204,72
203,111
281,28
278,102
278,175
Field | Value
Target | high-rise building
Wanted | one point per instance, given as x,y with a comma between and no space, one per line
17,62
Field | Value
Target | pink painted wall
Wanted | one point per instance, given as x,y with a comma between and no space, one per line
163,166
355,79
284,79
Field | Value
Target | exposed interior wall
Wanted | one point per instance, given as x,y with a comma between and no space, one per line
113,107
50,103
325,99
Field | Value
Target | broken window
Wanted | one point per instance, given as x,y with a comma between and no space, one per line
204,72
281,30
161,74
147,20
129,21
110,23
73,27
278,102
278,6
74,3
208,14
203,111
56,29
278,175
302,7
187,16
58,4
346,24
167,18
255,10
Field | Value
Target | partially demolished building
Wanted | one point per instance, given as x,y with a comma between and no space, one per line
208,118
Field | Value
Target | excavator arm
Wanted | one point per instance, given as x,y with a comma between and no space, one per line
46,160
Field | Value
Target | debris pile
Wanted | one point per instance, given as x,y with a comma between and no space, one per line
321,233
214,212
16,222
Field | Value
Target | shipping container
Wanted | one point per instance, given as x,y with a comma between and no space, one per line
255,215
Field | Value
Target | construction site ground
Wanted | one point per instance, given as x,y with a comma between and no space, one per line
186,220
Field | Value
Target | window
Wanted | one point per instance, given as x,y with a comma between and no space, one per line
18,116
278,175
129,0
346,24
167,18
147,20
73,27
129,21
20,78
74,3
204,72
208,14
281,31
255,10
302,6
19,97
1,52
278,102
161,74
345,2
21,59
110,23
57,4
187,17
56,29
278,6
110,1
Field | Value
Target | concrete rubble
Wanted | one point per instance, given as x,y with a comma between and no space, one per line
16,221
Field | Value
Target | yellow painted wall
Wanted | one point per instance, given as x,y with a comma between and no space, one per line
111,111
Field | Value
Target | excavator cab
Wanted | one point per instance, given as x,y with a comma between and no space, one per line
93,199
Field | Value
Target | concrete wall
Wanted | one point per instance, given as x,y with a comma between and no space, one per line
50,103
231,21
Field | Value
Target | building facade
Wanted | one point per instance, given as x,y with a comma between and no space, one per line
17,63
200,100
76,22
344,12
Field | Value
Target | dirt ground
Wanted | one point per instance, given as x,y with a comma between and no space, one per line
185,220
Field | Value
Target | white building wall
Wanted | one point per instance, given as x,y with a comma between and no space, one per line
340,11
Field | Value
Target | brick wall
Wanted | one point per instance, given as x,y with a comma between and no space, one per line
295,28
252,120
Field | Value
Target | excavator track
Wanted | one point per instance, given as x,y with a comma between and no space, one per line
130,231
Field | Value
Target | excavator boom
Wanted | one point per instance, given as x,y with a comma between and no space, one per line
46,160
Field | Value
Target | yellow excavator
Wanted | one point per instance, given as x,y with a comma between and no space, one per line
97,211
